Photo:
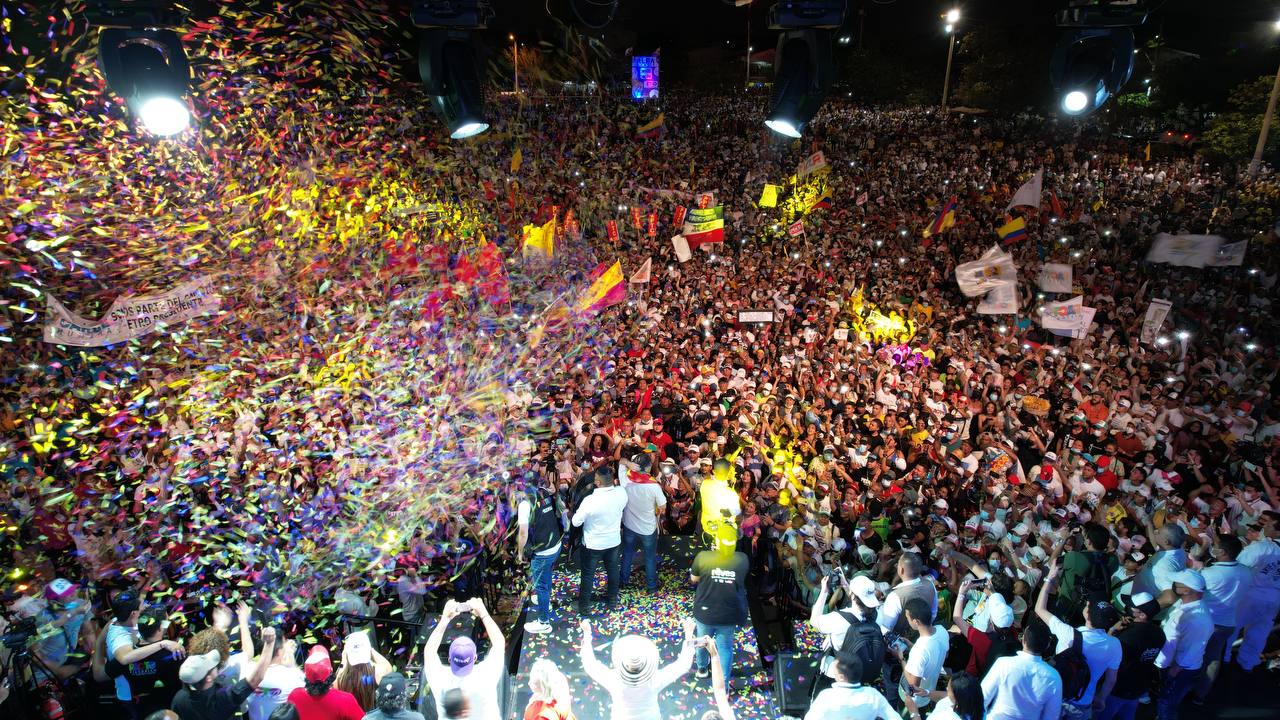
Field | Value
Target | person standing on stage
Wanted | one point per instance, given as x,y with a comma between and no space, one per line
542,520
645,505
600,517
720,602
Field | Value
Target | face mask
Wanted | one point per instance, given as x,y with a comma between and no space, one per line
993,397
985,515
1001,513
993,564
886,483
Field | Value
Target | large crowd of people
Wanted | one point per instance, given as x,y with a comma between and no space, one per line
981,518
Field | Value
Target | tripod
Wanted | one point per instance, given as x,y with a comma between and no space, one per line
21,674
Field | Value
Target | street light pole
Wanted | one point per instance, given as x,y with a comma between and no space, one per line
515,61
952,17
1266,126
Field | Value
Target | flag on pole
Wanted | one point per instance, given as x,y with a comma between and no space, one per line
516,160
678,220
1000,300
987,272
1055,206
1147,153
946,218
653,128
1195,251
797,228
611,230
702,233
822,202
493,285
607,288
769,198
636,218
643,274
651,228
1013,231
816,162
1069,318
1056,278
1029,193
539,240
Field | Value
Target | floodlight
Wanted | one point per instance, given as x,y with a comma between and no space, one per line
801,79
1094,55
1075,102
147,68
449,62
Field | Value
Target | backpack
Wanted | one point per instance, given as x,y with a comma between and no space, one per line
1096,581
1073,669
865,641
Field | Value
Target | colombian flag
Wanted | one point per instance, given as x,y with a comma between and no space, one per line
608,287
822,202
946,218
653,128
1012,231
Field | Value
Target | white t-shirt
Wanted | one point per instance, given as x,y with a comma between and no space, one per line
1101,651
119,636
277,683
925,659
480,686
644,500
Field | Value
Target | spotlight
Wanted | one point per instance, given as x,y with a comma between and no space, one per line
803,68
144,63
1094,55
449,62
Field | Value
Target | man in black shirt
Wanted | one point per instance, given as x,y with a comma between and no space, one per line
720,602
1140,640
153,680
202,699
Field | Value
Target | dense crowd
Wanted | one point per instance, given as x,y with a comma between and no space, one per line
1064,527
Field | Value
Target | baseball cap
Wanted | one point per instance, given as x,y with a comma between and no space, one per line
1141,601
1051,456
60,590
940,503
393,690
318,668
1190,578
196,667
462,656
865,590
356,649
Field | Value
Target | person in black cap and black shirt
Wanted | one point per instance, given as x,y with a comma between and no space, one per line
720,602
1140,641
393,700
153,680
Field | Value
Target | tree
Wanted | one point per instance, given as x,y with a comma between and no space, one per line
1000,69
1232,135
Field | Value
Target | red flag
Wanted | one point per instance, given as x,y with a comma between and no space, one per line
636,218
433,304
494,286
463,271
653,225
680,213
489,194
611,229
1055,205
438,258
705,200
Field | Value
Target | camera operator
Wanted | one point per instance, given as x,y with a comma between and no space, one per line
59,617
852,630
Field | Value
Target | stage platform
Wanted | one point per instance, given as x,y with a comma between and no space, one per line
655,615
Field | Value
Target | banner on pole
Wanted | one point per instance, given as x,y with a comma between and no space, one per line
796,229
812,164
1157,311
1055,278
130,316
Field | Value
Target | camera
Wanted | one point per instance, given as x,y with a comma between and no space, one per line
20,632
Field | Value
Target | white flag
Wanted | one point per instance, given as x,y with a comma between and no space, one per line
993,268
1185,250
1231,254
1069,318
682,248
1055,278
1029,193
1157,311
642,275
1000,300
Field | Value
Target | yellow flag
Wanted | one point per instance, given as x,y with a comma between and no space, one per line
769,198
515,161
1148,152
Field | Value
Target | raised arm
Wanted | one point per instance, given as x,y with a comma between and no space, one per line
957,612
246,643
497,643
1050,587
268,649
668,674
432,649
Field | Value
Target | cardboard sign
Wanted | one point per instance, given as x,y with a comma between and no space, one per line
755,316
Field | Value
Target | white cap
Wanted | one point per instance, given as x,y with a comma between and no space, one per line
865,589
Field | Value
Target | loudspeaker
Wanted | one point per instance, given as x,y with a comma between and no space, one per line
793,678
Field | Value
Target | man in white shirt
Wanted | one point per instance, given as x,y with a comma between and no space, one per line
890,616
1101,651
1187,629
600,517
478,680
1258,612
834,625
1157,575
1226,584
847,699
1023,686
640,521
922,665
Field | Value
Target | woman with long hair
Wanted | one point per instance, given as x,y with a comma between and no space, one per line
362,669
551,699
963,700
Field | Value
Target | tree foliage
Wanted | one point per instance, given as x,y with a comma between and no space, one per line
1000,69
1233,135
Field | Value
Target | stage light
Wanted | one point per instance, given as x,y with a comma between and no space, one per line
803,68
953,16
449,62
143,61
1094,55
1075,102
